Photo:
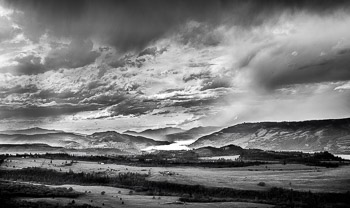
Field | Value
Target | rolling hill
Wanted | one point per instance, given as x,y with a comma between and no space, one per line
31,131
28,139
64,139
317,135
156,134
112,139
29,148
192,134
221,151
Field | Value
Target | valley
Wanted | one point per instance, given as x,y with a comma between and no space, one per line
246,165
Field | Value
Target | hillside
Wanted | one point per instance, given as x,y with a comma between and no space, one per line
66,140
31,131
317,135
221,151
156,134
112,139
50,140
191,134
28,148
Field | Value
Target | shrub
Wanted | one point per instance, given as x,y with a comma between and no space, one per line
261,184
103,193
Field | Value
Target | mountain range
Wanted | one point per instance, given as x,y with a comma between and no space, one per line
157,134
192,134
31,131
51,139
331,135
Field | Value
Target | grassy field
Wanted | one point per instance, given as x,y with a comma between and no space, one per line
296,176
115,197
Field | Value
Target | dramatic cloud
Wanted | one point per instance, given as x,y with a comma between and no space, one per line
29,64
132,24
77,54
109,64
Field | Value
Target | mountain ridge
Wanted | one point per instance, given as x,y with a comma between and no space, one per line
312,135
156,134
192,134
68,140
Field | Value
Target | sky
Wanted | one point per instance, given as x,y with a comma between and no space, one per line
87,66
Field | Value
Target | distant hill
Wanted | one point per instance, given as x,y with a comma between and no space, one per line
44,148
331,135
31,131
66,140
221,151
101,142
112,139
192,134
156,134
28,148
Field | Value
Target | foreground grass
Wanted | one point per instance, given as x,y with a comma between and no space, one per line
10,191
188,193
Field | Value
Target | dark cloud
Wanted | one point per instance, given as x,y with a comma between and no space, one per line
194,102
50,94
18,89
216,82
28,112
134,106
26,65
77,54
95,84
344,51
133,24
205,74
200,35
106,99
282,70
148,51
162,112
60,98
117,63
194,65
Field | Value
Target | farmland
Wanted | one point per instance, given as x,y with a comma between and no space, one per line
296,176
115,196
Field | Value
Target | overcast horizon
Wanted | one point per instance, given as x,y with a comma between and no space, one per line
86,66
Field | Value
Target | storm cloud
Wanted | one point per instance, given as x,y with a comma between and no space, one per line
133,24
182,62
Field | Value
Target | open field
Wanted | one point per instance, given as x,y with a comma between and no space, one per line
114,199
296,176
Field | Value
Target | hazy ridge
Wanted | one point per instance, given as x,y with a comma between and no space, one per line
317,135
